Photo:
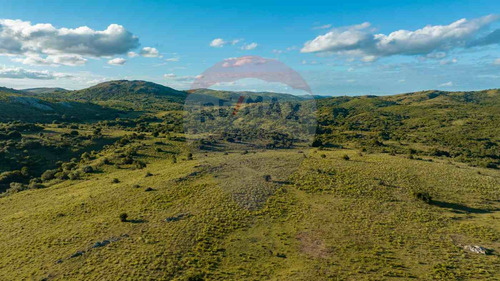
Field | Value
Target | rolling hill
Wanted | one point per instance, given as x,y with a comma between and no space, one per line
132,94
393,187
38,91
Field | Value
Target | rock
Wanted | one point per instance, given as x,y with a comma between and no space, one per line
477,249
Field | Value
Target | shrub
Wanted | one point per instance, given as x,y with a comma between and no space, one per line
48,175
267,178
190,156
423,196
115,180
16,187
87,169
323,155
346,157
139,164
62,175
123,217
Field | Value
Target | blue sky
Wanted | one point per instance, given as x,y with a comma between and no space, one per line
339,47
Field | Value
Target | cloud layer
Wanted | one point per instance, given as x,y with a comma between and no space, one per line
361,41
21,73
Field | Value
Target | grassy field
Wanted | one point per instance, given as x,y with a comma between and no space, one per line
216,218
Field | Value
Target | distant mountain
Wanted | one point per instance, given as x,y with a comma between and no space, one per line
233,96
45,90
130,94
9,91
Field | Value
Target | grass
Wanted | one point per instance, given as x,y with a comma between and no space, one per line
328,219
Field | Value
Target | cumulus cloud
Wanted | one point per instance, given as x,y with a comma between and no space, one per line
21,73
248,47
149,52
132,54
21,37
362,41
219,42
117,61
44,44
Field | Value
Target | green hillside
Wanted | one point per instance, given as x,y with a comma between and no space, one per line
136,95
39,91
392,187
250,97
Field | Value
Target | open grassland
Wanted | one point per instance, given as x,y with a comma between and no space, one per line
215,217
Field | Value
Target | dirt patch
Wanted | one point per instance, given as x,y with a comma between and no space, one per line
312,245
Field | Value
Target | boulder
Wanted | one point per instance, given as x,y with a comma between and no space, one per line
477,249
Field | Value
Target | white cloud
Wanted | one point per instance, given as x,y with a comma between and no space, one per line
132,54
19,37
241,61
250,46
361,41
21,73
149,52
52,60
218,43
496,62
117,61
447,84
169,75
236,41
174,77
326,26
175,59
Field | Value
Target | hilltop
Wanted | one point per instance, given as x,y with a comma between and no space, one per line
38,91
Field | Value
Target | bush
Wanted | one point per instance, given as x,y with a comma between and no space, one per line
123,217
323,155
267,178
115,180
48,175
87,169
74,175
139,164
423,196
16,187
346,157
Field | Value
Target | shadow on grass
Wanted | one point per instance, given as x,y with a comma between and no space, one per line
459,208
137,221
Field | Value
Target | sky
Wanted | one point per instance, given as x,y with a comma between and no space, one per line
338,47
